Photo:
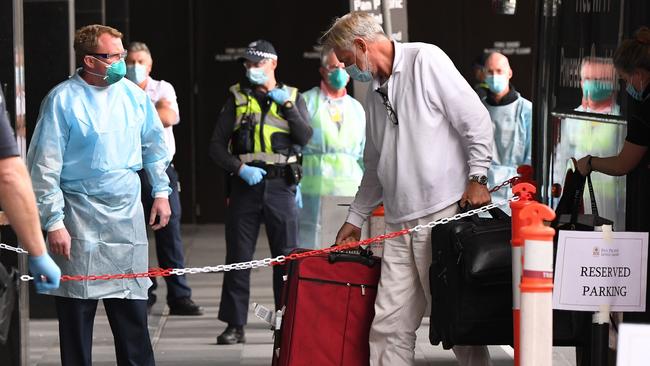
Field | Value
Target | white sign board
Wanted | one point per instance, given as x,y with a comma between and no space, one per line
596,268
632,348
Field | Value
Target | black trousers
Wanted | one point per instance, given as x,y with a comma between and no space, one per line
169,246
271,202
128,321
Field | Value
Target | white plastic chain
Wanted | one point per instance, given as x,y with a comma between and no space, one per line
266,262
464,214
281,259
13,249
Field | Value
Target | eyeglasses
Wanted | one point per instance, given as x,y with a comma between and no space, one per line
392,115
110,56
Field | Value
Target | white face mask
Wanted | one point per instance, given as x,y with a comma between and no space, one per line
136,73
356,73
256,76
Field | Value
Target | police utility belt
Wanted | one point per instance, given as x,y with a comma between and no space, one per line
275,165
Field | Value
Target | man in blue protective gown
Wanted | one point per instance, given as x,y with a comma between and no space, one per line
511,116
94,132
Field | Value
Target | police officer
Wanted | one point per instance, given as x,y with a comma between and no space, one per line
258,136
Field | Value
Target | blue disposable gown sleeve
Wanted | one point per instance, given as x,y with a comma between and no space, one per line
155,156
45,161
527,116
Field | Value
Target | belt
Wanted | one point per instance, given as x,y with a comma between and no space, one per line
273,172
267,158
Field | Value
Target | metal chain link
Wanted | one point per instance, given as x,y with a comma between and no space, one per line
512,181
281,259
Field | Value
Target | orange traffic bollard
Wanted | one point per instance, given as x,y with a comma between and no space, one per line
536,344
526,193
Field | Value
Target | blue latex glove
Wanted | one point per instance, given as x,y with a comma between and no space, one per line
298,197
43,265
279,95
251,174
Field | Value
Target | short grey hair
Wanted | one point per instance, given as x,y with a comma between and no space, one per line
138,46
324,55
353,25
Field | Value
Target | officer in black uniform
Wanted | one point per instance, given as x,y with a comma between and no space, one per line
257,140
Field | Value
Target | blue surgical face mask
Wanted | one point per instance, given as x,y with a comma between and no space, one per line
256,76
633,92
496,83
597,90
338,78
356,73
136,73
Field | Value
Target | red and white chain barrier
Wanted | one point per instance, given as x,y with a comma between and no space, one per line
279,260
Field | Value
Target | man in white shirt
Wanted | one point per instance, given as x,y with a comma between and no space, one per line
169,246
428,146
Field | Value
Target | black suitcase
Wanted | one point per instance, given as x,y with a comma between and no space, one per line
471,282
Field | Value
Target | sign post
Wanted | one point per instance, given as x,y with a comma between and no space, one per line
601,271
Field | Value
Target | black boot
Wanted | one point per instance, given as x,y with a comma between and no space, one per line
232,335
184,306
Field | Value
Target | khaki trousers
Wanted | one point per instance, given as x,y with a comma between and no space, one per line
403,297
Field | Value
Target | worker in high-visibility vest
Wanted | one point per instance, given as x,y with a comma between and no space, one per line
332,160
580,137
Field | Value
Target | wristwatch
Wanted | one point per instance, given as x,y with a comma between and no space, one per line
287,105
480,179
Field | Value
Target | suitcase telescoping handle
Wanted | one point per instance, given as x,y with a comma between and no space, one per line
360,255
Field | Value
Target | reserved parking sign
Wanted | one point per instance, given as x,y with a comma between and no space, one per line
596,268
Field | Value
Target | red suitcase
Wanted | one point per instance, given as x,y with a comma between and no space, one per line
328,303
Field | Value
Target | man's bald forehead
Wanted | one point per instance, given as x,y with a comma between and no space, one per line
497,59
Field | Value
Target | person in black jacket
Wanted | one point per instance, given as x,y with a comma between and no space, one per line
632,62
257,139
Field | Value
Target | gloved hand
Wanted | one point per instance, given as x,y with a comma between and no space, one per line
43,265
279,95
251,174
298,197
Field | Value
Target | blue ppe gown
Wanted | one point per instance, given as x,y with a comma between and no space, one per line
88,144
332,160
512,143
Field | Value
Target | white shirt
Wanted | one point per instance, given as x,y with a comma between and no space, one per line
160,89
421,165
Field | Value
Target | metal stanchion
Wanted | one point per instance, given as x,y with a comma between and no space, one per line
536,345
526,193
600,323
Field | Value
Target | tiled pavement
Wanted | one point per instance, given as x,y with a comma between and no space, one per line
191,341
